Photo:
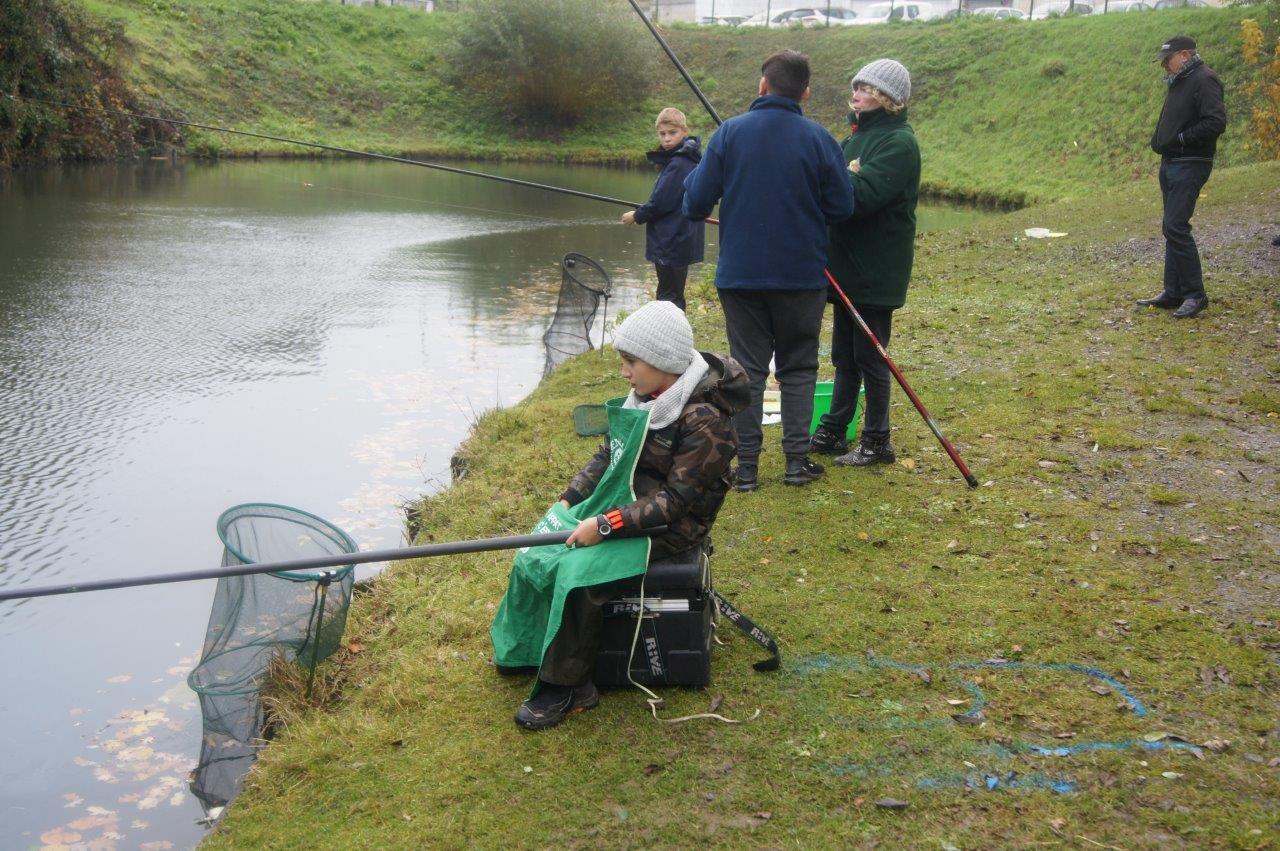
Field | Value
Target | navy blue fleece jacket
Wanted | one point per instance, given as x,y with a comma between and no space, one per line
780,180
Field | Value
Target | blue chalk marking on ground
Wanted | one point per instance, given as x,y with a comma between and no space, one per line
988,782
1136,705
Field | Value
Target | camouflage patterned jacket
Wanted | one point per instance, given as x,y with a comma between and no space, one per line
682,475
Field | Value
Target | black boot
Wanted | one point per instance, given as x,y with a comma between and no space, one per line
555,703
801,471
872,450
1163,300
746,478
1191,307
827,442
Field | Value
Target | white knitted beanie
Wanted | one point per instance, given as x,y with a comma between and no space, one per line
658,334
888,76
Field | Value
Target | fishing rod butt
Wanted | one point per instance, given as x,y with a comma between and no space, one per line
971,479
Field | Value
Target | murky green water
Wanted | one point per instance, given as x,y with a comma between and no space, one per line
179,339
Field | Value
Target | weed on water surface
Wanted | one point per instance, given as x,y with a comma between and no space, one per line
1082,651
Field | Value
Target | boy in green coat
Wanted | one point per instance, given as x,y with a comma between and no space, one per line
870,254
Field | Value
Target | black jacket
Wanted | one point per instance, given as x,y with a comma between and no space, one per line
1193,116
670,238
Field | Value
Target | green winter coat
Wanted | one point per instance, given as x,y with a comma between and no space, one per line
870,253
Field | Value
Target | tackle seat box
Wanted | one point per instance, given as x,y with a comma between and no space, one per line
674,648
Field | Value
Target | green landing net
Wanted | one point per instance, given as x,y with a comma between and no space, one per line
298,616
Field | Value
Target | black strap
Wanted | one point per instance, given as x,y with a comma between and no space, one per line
755,633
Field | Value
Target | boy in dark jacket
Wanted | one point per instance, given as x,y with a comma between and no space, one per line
680,481
871,255
780,180
1186,138
672,243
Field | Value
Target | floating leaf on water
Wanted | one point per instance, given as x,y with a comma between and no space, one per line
120,678
59,836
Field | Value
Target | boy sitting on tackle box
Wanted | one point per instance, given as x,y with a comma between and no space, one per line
666,463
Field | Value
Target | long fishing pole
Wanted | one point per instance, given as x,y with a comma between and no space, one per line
335,149
482,545
853,311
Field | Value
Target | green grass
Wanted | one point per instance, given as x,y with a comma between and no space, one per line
1026,352
1008,112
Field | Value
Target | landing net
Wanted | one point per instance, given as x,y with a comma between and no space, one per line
583,283
297,615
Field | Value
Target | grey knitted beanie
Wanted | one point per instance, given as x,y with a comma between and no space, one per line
888,76
658,334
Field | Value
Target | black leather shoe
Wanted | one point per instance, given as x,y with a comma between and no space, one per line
554,703
827,442
746,478
801,471
1162,300
1191,307
869,451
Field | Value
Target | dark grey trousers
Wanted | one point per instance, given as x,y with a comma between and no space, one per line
1180,185
782,325
857,362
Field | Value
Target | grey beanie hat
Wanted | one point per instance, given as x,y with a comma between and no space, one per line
889,76
658,334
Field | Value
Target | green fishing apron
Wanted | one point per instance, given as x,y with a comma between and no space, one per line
542,577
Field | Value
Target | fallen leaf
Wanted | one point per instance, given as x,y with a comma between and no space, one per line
971,719
764,815
1045,465
652,768
355,647
1100,689
891,804
1216,745
1066,735
1155,737
1172,775
863,536
908,463
715,703
1057,824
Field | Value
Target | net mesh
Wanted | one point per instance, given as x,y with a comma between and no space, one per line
583,283
298,615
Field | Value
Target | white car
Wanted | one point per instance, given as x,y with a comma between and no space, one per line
802,16
898,10
836,17
1001,12
1060,7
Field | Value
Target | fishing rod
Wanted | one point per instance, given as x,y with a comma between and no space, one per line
853,311
335,149
482,545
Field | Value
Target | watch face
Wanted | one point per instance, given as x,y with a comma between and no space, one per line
605,528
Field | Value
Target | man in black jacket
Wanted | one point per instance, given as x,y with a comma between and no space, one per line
1186,138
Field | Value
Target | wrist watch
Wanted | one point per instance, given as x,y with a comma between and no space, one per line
610,521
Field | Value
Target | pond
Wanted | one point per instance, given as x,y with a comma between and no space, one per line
180,338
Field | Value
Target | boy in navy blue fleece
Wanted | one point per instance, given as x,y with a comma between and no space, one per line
671,242
780,180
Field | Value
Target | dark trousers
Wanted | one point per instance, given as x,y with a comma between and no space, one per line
1180,185
857,363
783,325
671,281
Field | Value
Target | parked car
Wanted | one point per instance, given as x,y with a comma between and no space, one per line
1060,7
1126,6
1178,4
724,20
1001,12
898,10
801,16
836,17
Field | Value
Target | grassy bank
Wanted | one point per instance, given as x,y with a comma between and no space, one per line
1006,111
1127,523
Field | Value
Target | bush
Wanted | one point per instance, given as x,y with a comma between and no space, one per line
551,63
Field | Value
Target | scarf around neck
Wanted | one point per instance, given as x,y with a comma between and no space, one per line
664,410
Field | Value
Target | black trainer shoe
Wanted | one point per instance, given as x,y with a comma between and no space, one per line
870,451
554,703
1162,300
801,471
827,442
1191,307
746,478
